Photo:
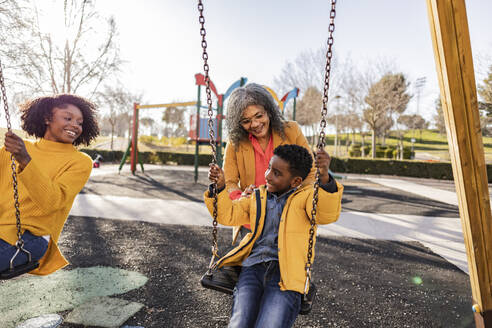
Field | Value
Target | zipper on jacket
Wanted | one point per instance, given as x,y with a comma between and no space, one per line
258,215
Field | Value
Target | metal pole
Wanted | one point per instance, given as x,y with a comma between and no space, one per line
419,85
219,133
294,113
197,133
133,155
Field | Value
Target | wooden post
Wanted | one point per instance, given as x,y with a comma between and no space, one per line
451,41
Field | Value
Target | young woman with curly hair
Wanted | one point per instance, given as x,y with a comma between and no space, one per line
50,173
256,127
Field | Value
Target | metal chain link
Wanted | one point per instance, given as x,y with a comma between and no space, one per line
13,165
321,142
211,131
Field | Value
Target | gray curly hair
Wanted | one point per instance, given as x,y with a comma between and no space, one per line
251,94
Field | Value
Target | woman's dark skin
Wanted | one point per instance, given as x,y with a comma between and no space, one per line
65,126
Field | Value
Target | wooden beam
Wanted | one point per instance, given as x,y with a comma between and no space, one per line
452,50
178,104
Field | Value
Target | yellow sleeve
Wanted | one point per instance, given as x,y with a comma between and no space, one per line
54,194
231,171
229,212
328,207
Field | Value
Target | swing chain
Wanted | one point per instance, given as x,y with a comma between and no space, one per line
13,164
211,131
321,140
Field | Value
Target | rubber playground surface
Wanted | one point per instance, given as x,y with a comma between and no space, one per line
152,258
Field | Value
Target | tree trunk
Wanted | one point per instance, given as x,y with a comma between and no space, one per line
112,134
363,143
347,142
373,142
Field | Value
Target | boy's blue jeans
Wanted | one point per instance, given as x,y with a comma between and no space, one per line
35,244
259,302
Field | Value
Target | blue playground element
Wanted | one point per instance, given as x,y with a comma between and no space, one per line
203,130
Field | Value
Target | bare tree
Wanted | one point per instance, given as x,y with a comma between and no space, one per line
12,27
79,62
439,117
414,122
386,97
307,70
174,119
485,91
118,104
355,85
353,123
308,110
148,122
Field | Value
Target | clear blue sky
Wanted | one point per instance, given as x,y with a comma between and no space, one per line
161,43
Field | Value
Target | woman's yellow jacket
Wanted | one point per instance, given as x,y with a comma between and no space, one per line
239,161
293,232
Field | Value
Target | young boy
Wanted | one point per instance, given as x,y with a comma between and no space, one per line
273,255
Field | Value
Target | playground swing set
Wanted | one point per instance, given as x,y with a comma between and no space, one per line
451,42
452,49
198,125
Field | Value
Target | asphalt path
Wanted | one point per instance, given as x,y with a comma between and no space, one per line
374,280
362,282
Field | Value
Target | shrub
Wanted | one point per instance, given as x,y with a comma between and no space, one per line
389,152
422,169
148,139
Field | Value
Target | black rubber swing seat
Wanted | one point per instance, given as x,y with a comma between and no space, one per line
223,279
19,270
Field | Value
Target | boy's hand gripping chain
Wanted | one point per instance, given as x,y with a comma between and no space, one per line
211,132
321,144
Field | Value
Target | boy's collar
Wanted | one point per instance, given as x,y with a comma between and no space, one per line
290,191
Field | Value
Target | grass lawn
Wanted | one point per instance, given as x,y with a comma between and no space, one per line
428,141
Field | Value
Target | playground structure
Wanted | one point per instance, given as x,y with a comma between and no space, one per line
198,131
282,103
198,126
132,148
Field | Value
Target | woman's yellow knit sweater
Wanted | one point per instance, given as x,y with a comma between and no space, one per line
47,188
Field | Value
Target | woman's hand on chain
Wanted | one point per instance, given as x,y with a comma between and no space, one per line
215,174
15,145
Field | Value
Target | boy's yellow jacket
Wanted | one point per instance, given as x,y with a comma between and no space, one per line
293,232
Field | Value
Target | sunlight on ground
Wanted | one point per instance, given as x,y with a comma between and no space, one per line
29,296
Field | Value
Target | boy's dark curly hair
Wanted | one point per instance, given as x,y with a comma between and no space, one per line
36,112
299,159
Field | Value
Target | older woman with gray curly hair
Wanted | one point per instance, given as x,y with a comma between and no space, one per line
256,127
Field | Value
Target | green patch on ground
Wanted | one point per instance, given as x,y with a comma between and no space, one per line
103,312
30,296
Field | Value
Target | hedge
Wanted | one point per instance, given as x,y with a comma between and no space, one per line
420,169
159,157
434,170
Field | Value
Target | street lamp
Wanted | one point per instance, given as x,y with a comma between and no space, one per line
419,84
